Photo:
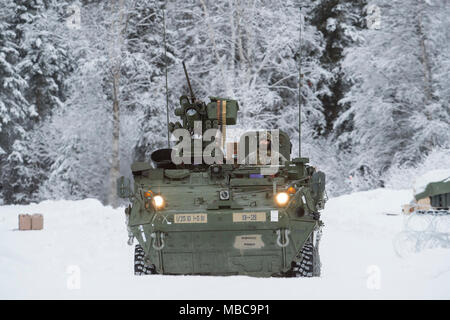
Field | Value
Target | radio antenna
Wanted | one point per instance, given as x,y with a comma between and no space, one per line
165,67
189,83
300,76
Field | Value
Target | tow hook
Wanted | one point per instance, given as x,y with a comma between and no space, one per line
286,237
157,239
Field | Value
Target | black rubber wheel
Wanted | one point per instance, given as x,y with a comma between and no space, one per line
140,267
309,265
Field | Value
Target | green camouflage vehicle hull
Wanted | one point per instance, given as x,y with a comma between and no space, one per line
247,234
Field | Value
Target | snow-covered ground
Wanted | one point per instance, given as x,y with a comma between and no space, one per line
82,253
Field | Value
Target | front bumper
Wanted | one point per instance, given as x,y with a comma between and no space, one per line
224,245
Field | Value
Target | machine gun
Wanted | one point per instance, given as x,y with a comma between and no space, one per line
218,113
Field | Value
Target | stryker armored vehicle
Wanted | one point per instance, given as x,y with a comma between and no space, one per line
431,194
229,217
427,216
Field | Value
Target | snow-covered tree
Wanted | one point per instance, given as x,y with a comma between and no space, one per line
239,49
81,99
77,137
340,23
43,62
14,108
79,162
109,88
46,59
144,70
397,112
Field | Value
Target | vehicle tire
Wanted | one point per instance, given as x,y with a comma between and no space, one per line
140,267
309,265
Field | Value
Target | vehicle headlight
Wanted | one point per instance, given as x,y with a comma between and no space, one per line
158,201
282,198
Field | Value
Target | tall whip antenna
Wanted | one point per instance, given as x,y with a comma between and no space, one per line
165,67
300,76
189,83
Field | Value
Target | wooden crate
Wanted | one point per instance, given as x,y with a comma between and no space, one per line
37,221
24,222
31,222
